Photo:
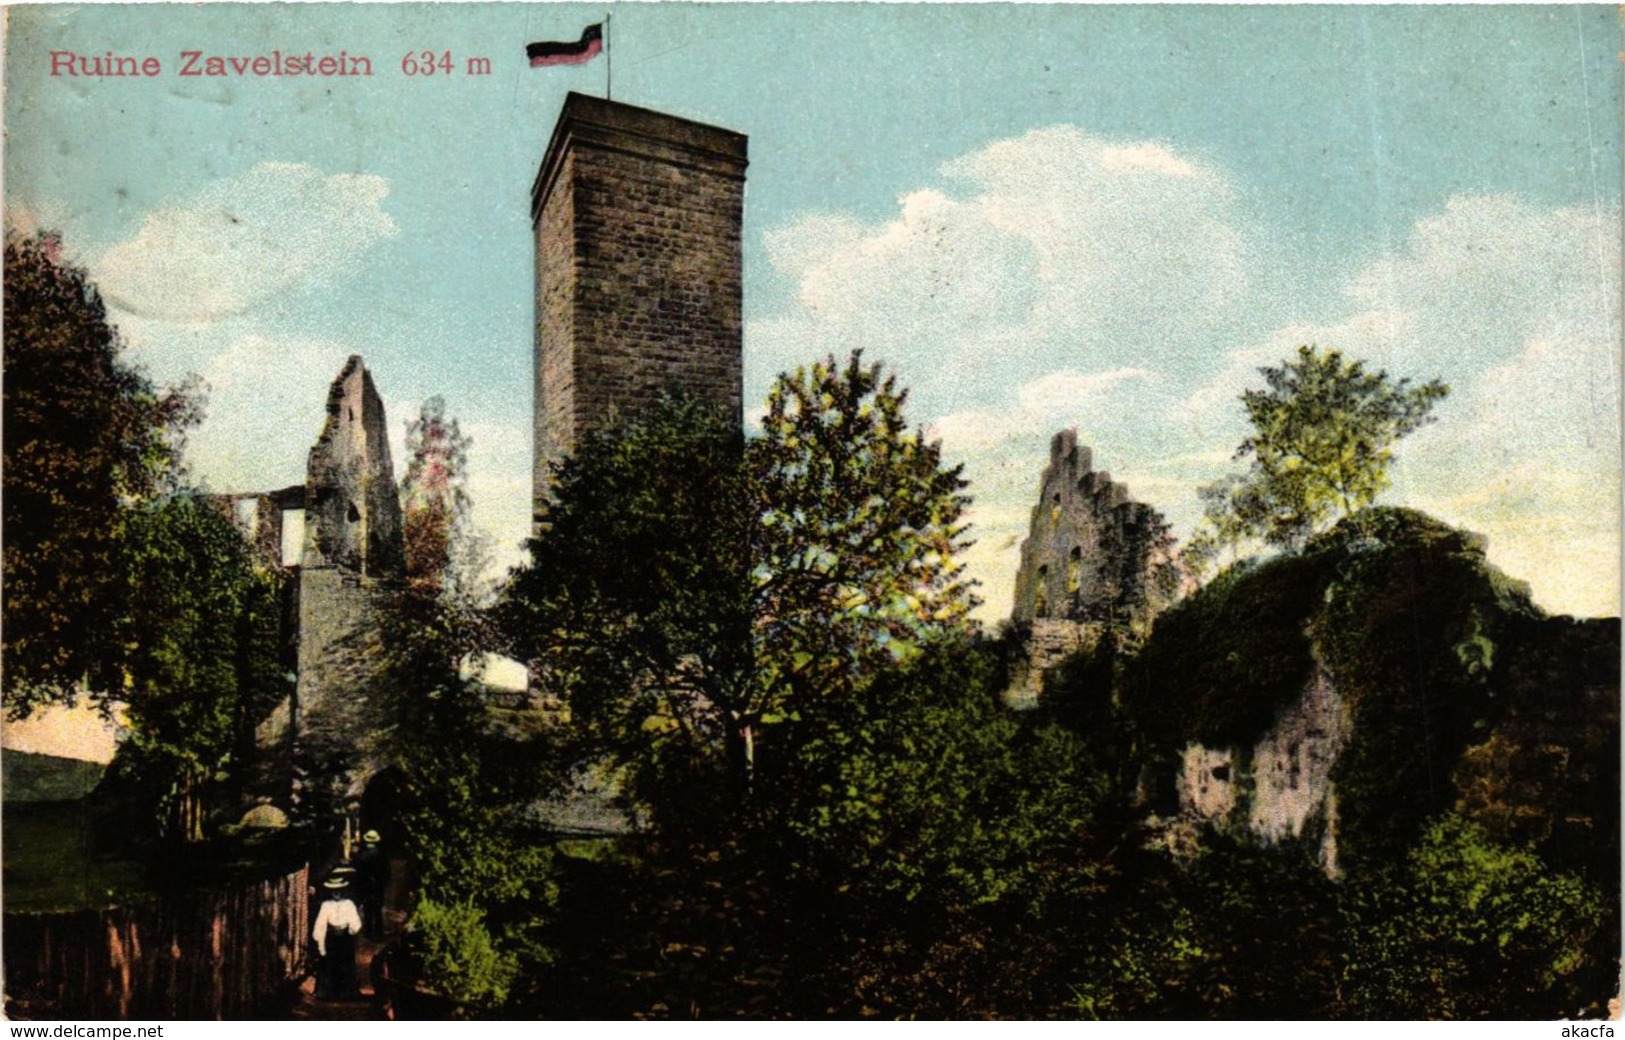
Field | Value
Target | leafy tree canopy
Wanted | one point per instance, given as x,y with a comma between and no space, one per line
687,596
201,650
86,436
1322,443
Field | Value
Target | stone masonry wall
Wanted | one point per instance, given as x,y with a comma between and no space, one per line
638,284
1283,787
352,507
1094,563
352,561
555,331
1092,553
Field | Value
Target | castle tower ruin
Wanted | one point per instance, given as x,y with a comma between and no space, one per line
1095,564
351,564
637,218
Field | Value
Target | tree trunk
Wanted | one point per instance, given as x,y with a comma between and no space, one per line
742,749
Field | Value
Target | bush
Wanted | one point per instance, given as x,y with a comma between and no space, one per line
1473,929
457,957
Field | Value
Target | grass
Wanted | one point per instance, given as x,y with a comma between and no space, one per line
52,860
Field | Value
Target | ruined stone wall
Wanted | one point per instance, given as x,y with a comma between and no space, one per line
1095,564
1280,788
351,566
340,700
638,291
1092,553
352,507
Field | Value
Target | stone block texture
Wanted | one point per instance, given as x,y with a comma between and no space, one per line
352,508
637,218
1095,566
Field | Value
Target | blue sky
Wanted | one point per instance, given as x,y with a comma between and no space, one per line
1102,217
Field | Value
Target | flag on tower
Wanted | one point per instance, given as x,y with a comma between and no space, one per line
582,50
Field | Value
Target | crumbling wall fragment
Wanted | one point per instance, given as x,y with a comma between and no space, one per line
1095,564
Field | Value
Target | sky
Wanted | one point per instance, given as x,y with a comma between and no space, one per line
1040,216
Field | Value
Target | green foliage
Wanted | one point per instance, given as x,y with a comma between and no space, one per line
1472,929
688,599
466,783
1241,932
921,787
1417,671
457,957
635,606
200,657
1222,663
466,777
1414,669
1547,774
1323,440
85,436
855,559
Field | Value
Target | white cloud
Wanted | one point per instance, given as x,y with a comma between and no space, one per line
1047,403
266,408
1058,279
1517,308
242,240
1051,251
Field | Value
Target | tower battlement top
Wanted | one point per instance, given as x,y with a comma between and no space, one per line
612,125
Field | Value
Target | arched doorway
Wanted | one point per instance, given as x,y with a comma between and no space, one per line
384,803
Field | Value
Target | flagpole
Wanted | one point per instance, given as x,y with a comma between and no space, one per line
609,62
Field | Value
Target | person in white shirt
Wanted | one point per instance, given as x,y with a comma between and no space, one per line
338,922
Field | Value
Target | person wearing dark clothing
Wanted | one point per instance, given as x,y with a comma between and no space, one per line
370,867
337,925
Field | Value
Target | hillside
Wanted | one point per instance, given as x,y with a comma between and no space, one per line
29,777
1346,695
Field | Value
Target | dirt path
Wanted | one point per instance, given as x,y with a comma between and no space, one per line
365,1007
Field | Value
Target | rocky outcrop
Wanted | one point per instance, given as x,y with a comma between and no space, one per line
1281,787
1344,697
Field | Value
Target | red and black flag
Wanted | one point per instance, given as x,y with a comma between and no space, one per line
582,50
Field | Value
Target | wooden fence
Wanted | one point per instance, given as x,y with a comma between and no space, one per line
218,953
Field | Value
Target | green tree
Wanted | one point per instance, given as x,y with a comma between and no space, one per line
686,593
200,661
86,436
442,547
1323,438
469,767
1472,929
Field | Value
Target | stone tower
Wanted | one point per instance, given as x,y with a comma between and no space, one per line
637,220
352,562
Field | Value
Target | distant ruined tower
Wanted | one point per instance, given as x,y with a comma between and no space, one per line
637,219
1095,563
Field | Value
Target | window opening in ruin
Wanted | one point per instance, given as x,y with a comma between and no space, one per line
1221,772
1074,571
1055,510
1041,605
354,514
293,536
